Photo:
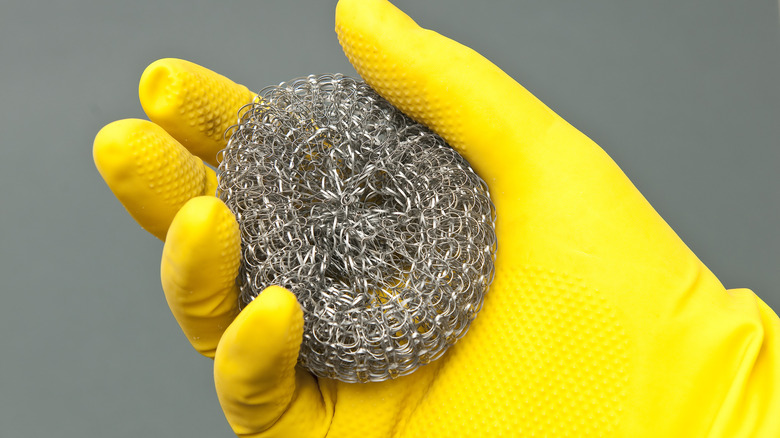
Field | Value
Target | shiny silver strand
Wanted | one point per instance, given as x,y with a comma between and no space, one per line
382,231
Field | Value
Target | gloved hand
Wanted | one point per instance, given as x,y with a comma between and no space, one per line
600,321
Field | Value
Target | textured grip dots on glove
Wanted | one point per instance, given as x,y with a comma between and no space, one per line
194,104
546,357
171,172
389,81
382,231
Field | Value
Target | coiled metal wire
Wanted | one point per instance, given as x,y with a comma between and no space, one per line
382,231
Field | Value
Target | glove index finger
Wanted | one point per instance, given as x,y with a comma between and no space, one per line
194,104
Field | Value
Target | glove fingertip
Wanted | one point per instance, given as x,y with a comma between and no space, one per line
150,172
255,364
193,103
270,329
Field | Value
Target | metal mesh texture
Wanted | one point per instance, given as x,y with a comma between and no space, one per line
382,231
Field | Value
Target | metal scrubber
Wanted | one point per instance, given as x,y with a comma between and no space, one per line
382,231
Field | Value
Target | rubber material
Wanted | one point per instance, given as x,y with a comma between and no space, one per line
199,269
600,321
194,104
150,172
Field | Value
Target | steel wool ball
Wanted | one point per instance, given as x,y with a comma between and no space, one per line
382,231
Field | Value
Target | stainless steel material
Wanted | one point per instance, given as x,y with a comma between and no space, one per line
383,232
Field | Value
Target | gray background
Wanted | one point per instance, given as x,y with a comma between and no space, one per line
683,94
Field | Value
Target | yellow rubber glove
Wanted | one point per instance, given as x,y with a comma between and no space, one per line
600,321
